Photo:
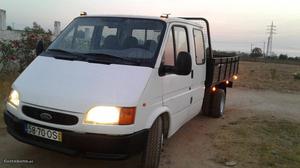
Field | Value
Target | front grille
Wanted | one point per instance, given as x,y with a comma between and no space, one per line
51,117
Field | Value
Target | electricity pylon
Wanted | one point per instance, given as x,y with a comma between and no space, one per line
271,30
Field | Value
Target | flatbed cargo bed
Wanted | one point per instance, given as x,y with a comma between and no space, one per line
223,69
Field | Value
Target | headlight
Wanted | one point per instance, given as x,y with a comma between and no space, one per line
110,115
14,98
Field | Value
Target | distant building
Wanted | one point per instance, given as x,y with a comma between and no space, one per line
2,19
56,28
17,34
7,34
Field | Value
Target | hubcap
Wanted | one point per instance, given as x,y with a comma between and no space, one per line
162,140
222,104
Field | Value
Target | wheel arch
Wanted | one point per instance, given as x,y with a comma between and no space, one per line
166,118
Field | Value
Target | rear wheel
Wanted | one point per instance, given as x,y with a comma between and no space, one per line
218,103
151,155
206,104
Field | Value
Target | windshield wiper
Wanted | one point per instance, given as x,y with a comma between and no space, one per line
91,57
101,57
67,55
60,50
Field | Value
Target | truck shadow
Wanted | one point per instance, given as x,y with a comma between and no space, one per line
12,149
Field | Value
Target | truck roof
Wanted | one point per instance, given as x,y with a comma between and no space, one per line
167,20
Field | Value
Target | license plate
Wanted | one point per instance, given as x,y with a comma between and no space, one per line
43,132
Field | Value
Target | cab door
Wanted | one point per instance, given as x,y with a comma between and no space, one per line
199,70
176,88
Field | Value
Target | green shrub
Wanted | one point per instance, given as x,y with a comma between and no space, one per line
297,75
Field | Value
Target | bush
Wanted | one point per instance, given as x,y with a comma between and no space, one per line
18,54
8,56
297,75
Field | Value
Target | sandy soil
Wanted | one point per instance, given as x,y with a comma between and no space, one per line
191,147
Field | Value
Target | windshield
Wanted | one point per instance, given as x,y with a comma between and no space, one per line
111,39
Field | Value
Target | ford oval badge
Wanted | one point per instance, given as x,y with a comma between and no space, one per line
46,116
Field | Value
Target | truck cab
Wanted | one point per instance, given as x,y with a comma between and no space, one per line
115,86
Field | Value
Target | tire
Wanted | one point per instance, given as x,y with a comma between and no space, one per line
218,103
205,110
206,103
151,155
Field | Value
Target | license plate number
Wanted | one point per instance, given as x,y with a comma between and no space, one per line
43,132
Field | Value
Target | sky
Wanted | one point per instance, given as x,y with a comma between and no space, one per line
235,24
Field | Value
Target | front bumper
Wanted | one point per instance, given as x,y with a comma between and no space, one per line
85,144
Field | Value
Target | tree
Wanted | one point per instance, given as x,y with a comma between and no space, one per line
283,57
22,51
36,28
256,52
9,28
29,41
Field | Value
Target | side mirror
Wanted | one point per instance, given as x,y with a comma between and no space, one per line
161,70
183,63
39,47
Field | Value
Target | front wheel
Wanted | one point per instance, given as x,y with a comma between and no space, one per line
151,155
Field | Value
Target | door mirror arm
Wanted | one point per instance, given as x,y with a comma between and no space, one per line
161,70
39,47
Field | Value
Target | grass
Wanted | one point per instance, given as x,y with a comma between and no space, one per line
270,76
259,142
5,85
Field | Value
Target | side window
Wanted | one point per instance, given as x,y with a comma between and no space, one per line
169,56
181,41
67,41
199,47
146,37
178,35
153,35
82,40
107,31
139,34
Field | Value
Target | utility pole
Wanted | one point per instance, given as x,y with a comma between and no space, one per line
271,30
264,52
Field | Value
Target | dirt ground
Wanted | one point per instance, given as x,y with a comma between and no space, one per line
202,142
268,76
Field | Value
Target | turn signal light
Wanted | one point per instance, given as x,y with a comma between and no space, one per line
235,77
127,115
214,89
83,13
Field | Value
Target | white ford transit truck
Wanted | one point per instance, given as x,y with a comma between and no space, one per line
115,86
